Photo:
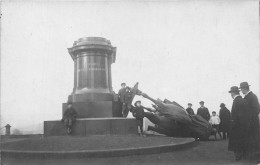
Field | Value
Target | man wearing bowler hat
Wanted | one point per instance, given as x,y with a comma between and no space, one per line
240,118
254,110
203,111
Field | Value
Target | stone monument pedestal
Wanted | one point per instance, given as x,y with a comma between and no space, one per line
92,97
92,109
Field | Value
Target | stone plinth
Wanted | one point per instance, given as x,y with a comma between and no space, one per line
91,109
93,126
92,57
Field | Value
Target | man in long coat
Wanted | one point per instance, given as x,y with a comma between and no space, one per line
240,119
121,92
203,111
254,110
224,115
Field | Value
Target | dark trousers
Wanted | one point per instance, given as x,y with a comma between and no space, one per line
225,135
216,127
69,122
140,124
125,109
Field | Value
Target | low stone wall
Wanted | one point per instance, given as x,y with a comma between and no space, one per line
93,126
21,136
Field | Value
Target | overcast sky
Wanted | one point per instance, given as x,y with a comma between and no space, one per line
184,51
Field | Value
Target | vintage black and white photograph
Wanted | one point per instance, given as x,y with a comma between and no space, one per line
122,82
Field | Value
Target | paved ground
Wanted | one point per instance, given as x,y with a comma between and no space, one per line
72,143
204,153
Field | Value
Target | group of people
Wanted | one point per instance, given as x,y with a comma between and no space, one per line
220,124
241,125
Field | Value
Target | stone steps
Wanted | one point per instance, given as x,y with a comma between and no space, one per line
93,126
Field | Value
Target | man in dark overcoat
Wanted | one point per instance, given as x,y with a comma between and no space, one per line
128,97
240,119
121,97
224,115
189,109
121,92
203,111
254,110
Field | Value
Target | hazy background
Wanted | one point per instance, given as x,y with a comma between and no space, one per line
184,51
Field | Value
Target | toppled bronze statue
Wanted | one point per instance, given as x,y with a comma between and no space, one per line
172,120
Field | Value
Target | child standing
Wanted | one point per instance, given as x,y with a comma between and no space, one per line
215,121
138,113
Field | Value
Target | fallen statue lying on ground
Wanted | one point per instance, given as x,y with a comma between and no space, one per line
172,120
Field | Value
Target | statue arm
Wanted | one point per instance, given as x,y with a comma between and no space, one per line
149,109
149,98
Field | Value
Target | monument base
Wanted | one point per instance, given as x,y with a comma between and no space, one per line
93,126
93,109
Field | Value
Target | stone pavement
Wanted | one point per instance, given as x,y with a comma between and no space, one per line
203,153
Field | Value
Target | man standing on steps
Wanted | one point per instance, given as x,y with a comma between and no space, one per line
254,110
203,111
121,96
121,92
127,102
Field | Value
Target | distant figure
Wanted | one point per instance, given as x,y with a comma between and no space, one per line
240,119
215,121
69,117
203,111
7,129
254,110
189,109
127,101
138,113
224,115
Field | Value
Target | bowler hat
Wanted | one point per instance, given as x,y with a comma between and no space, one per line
201,102
234,89
189,104
222,105
243,85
